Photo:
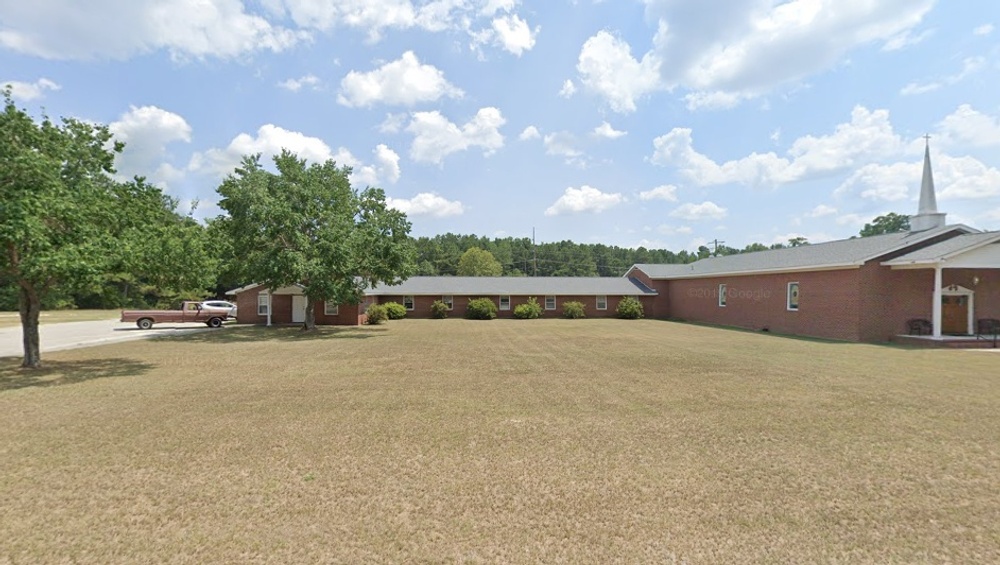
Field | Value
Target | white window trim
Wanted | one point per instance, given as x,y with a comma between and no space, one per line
598,301
413,303
554,304
722,295
500,301
327,312
449,300
263,307
788,296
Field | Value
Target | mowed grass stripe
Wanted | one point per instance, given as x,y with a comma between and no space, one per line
515,441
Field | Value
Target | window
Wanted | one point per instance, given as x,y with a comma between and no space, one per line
505,303
262,303
793,296
331,308
408,302
447,299
602,302
722,295
550,302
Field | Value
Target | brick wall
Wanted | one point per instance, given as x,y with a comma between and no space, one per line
829,303
281,311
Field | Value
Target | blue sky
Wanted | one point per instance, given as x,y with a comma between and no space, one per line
662,123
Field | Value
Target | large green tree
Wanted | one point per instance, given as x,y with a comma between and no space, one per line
304,224
476,262
888,223
66,225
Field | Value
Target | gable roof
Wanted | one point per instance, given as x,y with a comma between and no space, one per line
840,254
516,286
946,249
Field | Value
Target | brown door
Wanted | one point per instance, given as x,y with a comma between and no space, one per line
955,315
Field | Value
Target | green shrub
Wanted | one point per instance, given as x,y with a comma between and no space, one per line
377,314
529,310
573,310
481,309
439,310
395,310
629,308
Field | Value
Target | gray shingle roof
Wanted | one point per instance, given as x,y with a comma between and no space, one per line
944,249
842,253
516,286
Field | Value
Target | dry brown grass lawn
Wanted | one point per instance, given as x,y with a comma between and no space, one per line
11,319
504,441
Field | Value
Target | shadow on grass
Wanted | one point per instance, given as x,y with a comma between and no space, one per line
293,333
55,373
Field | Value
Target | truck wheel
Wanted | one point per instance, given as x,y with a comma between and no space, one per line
215,322
144,323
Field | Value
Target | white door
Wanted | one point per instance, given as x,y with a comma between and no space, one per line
298,308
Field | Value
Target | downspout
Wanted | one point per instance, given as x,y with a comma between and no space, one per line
936,308
268,307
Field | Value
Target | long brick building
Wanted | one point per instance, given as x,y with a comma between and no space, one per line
934,279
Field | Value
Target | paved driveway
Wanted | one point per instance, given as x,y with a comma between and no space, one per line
70,335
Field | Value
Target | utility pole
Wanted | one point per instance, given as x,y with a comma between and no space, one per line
716,243
534,253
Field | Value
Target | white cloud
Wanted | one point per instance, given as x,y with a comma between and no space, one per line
984,29
821,211
385,168
393,123
584,199
605,130
970,65
868,136
530,132
402,82
969,127
716,100
606,66
562,144
435,137
427,204
68,29
271,139
749,47
954,178
705,211
666,192
147,131
296,84
568,89
905,39
514,34
26,91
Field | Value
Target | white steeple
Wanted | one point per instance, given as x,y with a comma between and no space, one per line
927,216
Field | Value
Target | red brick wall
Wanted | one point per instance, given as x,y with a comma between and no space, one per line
422,305
281,311
829,303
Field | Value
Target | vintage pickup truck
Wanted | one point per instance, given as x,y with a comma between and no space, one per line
190,312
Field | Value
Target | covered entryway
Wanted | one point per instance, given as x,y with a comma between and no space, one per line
976,256
298,309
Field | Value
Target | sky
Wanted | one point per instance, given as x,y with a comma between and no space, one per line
656,123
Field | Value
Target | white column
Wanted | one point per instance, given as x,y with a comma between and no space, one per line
269,306
936,310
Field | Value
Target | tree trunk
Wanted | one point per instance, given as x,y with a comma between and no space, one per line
310,323
30,306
